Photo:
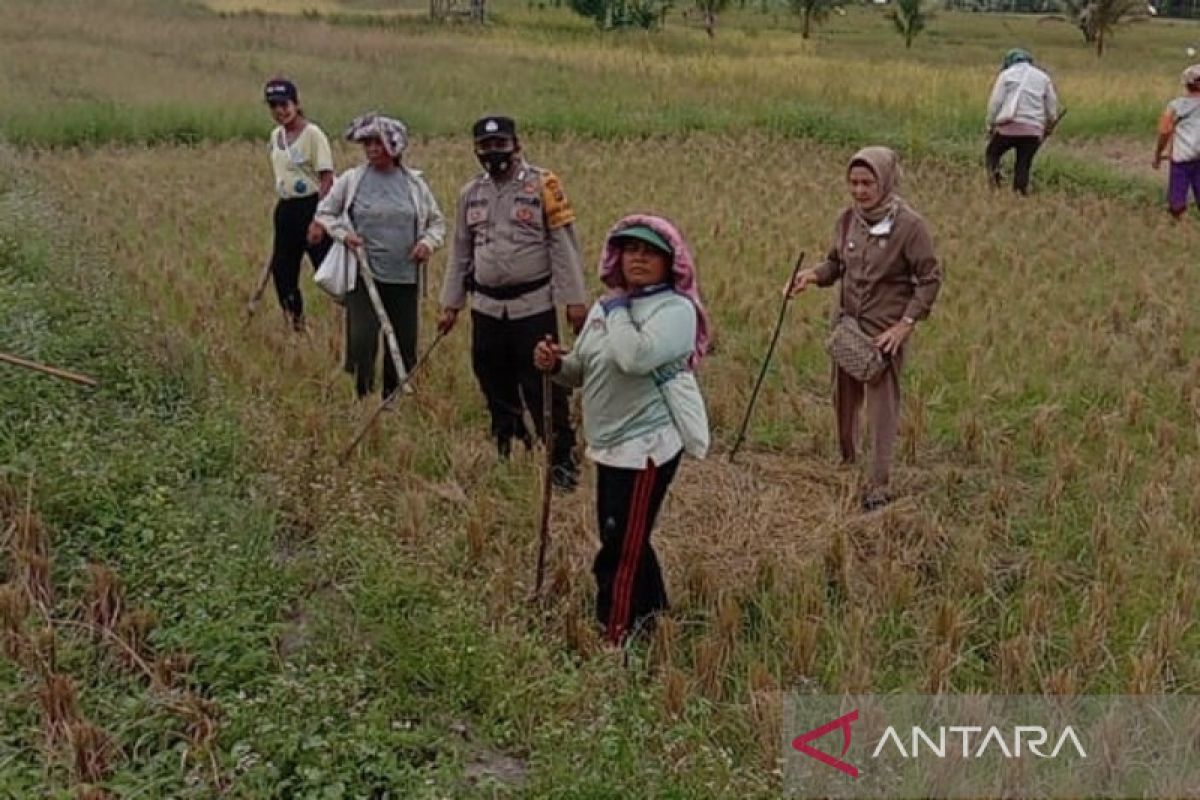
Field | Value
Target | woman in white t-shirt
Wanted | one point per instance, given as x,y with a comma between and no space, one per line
303,166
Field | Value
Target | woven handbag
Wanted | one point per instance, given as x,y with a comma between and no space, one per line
849,346
854,351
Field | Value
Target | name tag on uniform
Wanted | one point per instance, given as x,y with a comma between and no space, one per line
477,215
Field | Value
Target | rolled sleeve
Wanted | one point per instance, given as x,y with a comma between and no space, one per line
454,289
331,211
566,267
832,267
829,271
1051,101
926,272
570,372
434,235
323,155
995,101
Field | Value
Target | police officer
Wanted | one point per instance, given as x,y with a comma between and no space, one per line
517,255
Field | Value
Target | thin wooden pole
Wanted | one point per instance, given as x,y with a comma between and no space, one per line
547,481
263,278
389,333
63,374
762,373
348,450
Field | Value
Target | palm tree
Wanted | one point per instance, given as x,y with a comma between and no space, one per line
1098,19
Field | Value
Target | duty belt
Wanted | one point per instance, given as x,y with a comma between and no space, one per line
510,292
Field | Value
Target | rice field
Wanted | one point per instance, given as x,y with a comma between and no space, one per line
1049,457
129,70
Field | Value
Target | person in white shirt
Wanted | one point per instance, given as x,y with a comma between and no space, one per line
1022,111
1179,140
302,164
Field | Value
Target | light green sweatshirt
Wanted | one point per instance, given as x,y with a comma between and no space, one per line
614,360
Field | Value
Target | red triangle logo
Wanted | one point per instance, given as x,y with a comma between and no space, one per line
801,743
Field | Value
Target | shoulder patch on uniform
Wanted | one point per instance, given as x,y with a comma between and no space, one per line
555,203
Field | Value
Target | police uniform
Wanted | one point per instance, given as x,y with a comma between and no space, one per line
516,253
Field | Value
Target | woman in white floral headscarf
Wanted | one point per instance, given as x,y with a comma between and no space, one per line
387,209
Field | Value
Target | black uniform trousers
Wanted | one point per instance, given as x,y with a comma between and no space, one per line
502,357
629,581
292,218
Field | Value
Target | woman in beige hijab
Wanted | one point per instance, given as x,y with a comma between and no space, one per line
883,255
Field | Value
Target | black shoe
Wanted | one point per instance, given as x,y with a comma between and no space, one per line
565,477
875,500
298,324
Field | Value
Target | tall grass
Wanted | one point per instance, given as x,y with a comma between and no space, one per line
208,605
366,626
1046,479
128,71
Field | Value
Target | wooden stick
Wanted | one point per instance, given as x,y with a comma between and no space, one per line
762,373
389,333
256,296
348,450
65,375
547,485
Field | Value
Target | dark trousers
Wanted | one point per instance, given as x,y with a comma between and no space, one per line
400,301
1026,147
292,218
502,357
629,581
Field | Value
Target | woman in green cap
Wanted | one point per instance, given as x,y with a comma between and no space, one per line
642,407
1021,113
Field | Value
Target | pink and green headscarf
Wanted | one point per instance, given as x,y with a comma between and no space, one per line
683,271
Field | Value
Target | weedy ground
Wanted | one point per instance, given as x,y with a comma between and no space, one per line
312,629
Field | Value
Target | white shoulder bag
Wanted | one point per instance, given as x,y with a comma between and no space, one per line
1008,109
337,272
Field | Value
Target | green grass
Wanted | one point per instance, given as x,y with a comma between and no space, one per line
113,80
396,680
1051,489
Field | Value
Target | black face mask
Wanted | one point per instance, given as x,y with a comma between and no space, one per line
496,162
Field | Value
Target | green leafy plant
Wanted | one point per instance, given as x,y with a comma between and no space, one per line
910,17
1098,19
